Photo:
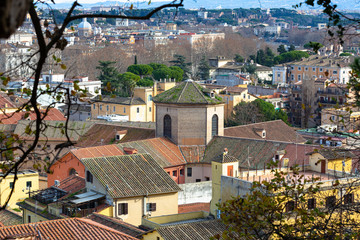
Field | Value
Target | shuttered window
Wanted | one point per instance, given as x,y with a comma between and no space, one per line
214,125
122,208
167,126
151,207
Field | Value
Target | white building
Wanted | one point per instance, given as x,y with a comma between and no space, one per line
279,74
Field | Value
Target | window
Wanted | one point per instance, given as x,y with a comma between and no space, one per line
11,185
189,172
94,106
137,110
29,219
311,203
114,109
39,146
28,184
100,107
89,177
151,207
334,72
320,69
290,206
181,172
299,77
124,110
278,75
348,198
150,98
248,96
207,179
72,171
306,68
198,180
174,173
167,126
330,201
48,146
214,125
149,109
299,68
292,77
122,208
314,69
244,96
107,107
292,68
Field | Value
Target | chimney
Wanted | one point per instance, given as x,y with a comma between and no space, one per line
130,151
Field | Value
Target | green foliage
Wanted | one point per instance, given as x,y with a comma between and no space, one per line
129,81
291,48
156,66
290,56
109,76
315,46
266,57
177,73
204,69
180,61
345,54
145,82
238,58
164,72
140,69
253,112
281,49
250,68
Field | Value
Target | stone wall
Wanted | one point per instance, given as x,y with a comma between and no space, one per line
195,193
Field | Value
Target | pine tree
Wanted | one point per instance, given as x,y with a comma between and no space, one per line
204,69
180,61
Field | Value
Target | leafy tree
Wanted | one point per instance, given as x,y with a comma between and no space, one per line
140,69
345,54
250,68
292,48
256,111
145,82
180,61
315,46
281,49
109,76
238,58
129,81
176,73
135,60
290,56
162,73
265,57
204,69
279,209
156,66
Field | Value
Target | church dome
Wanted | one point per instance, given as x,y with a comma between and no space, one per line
84,25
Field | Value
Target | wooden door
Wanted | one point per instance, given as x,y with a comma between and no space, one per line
323,166
230,171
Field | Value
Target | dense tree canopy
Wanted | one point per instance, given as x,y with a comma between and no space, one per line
140,69
180,61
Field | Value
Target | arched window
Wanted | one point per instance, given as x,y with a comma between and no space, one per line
72,171
214,125
167,126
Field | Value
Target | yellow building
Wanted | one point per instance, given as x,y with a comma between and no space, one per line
139,108
28,180
135,185
334,187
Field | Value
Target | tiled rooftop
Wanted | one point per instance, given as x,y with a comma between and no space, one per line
8,218
117,224
275,130
63,229
13,118
131,175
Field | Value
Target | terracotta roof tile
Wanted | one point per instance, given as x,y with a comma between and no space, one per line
131,175
99,151
8,218
165,152
201,230
117,224
193,154
72,184
13,118
101,134
64,229
275,130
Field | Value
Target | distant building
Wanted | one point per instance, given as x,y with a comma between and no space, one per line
84,29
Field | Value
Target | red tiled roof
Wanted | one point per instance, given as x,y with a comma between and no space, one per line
101,134
99,151
72,184
194,207
275,130
70,228
13,118
193,154
116,224
165,152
